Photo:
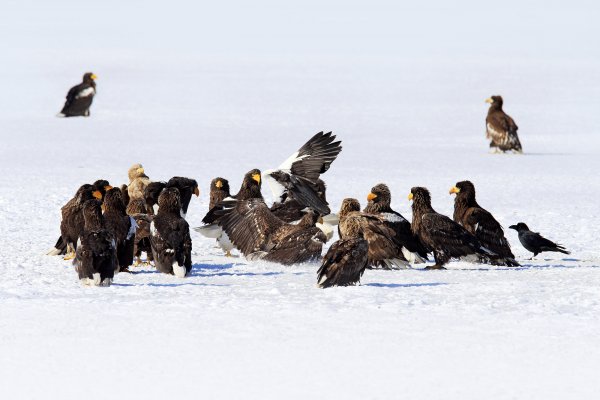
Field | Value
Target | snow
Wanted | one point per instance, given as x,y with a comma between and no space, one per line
200,91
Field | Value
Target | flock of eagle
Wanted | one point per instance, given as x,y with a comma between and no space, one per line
106,229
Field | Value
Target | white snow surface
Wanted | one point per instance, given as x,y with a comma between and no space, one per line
184,95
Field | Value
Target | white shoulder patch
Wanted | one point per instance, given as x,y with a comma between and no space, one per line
86,92
152,229
391,217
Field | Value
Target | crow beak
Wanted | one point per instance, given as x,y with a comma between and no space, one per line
454,189
513,227
371,196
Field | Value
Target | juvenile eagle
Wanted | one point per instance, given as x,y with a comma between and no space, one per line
446,238
501,128
137,209
96,259
80,97
138,180
170,236
481,223
258,234
534,242
346,260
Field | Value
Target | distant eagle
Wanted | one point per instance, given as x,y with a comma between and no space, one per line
170,236
346,260
96,260
481,223
534,242
80,97
446,238
501,128
296,179
259,234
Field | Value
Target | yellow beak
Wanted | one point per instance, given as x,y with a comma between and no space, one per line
197,191
140,171
107,187
94,77
410,196
219,184
454,189
97,194
371,196
256,177
489,100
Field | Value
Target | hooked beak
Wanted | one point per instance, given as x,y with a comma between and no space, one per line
490,100
256,177
219,184
454,189
371,196
107,187
94,77
410,196
97,194
140,170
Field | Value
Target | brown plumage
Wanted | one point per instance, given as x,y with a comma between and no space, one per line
137,209
121,226
446,238
501,128
219,190
138,180
291,210
346,260
481,223
379,203
385,248
258,234
125,195
96,258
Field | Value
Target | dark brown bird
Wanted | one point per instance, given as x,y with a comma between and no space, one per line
291,210
137,209
219,190
121,226
80,97
96,259
443,236
186,186
379,203
170,236
501,128
250,189
125,194
534,242
385,247
346,260
258,234
481,223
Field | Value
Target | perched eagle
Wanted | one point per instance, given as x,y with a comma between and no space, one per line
80,97
71,224
186,187
219,190
379,203
534,242
446,238
138,180
346,260
170,236
385,247
137,209
501,128
250,189
296,178
96,260
121,226
258,234
480,222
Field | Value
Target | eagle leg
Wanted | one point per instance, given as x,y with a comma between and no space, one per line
70,253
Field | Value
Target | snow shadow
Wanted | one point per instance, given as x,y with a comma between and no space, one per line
404,285
182,284
205,270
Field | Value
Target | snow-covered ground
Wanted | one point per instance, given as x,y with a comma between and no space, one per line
172,99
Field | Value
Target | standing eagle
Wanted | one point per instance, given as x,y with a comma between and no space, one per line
138,180
379,203
250,189
346,260
170,236
96,259
219,190
186,187
259,234
296,179
481,223
446,238
501,128
137,209
121,226
80,97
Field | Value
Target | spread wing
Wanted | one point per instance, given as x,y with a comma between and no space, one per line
314,157
249,224
298,247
